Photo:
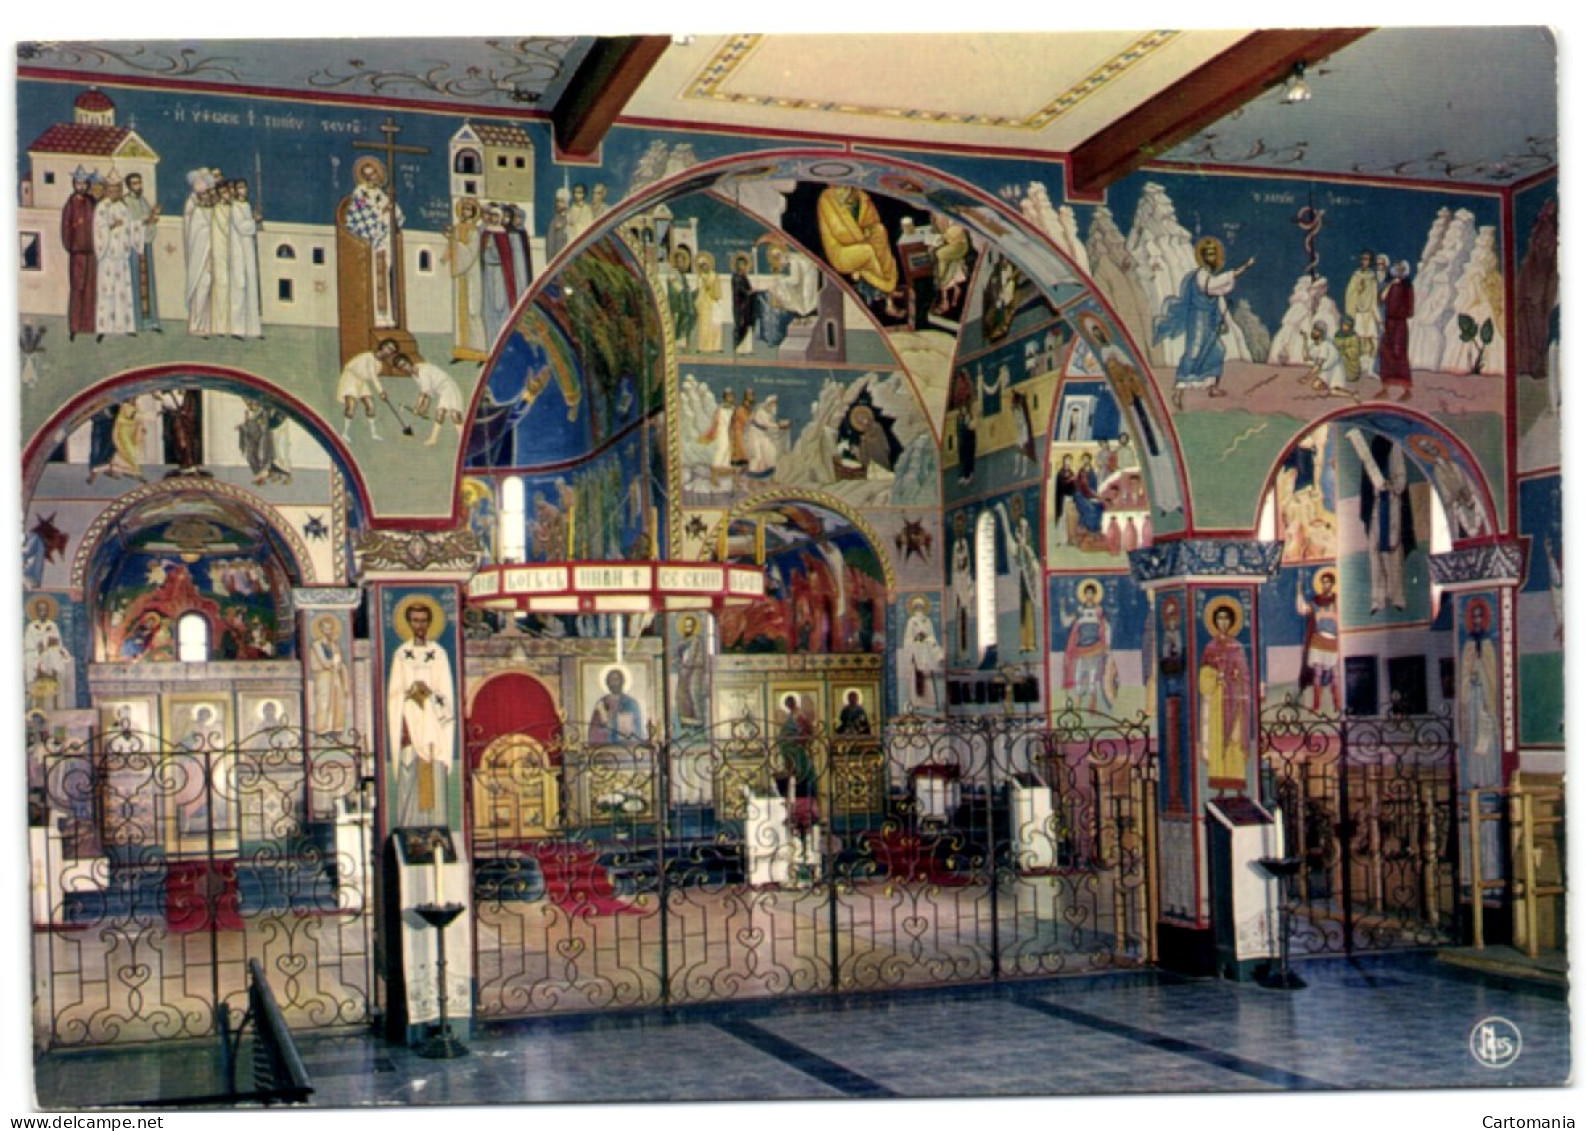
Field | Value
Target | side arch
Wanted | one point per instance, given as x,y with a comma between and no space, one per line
771,498
1442,457
132,383
109,519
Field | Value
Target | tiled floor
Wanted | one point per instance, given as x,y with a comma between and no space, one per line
1390,1022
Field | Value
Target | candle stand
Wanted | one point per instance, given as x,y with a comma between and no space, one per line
1283,869
442,1043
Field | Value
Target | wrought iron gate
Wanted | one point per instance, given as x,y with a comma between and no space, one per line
159,871
1369,808
745,862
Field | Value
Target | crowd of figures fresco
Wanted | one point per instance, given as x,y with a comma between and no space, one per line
294,370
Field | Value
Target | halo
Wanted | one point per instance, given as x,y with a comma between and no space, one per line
1428,447
688,624
754,173
1173,604
473,490
1471,606
894,182
847,691
855,416
1210,615
362,163
1316,581
1090,584
1090,324
832,169
399,615
52,607
919,605
318,627
627,678
1213,244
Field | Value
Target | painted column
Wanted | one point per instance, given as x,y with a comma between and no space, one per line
415,584
340,769
1482,583
324,623
1204,596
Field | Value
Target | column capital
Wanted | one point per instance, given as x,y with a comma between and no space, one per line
309,598
1495,563
1193,559
424,556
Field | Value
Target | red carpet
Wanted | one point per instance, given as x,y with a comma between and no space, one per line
577,882
201,896
924,858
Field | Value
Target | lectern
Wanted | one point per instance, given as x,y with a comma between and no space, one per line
1245,896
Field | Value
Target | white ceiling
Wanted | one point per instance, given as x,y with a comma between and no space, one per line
1461,104
1047,92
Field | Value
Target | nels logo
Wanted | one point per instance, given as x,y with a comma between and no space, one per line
1495,1042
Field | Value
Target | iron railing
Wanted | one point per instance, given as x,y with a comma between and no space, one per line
161,871
1369,809
748,860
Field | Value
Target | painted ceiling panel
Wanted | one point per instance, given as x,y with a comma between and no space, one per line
1442,104
505,71
1472,105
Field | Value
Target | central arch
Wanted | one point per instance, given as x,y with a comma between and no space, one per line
1053,272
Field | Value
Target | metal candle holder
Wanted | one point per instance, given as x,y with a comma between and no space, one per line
442,1043
1283,869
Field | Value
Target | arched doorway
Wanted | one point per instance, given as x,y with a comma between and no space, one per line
1361,741
514,757
782,805
183,789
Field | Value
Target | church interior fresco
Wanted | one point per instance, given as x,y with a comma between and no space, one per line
1053,363
939,403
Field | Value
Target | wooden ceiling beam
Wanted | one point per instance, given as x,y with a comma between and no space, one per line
601,87
1210,92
